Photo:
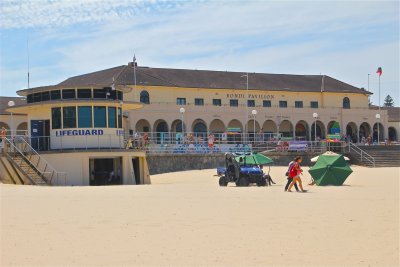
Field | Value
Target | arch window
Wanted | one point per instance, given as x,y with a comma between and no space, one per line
144,97
346,103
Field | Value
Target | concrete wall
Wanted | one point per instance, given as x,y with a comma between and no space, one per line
172,163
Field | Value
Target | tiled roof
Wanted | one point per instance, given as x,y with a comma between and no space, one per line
124,75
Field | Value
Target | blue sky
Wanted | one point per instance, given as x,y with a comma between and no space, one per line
345,40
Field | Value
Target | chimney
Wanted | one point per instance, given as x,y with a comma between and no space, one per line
131,64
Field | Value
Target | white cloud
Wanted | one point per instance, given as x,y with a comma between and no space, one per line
47,13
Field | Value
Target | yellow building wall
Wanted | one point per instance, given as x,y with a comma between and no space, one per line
160,94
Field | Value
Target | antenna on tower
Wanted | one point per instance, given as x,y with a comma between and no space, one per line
27,51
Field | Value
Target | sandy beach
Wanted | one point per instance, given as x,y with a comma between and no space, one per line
186,219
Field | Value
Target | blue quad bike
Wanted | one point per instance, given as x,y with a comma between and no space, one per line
240,175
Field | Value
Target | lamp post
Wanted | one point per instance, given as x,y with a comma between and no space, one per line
182,111
377,116
278,119
315,116
254,113
11,104
246,105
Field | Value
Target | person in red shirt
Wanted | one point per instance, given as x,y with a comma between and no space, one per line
295,172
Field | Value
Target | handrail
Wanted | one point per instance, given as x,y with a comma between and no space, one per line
362,153
19,151
48,168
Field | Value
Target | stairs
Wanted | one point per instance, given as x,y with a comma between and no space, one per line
28,169
385,156
374,156
28,165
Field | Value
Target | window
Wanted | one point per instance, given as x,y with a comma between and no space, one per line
46,96
85,93
69,117
56,118
298,104
84,117
144,97
120,95
251,103
119,118
99,93
346,103
68,93
55,95
234,103
267,103
181,101
112,117
314,104
29,98
199,102
216,102
283,104
37,97
99,117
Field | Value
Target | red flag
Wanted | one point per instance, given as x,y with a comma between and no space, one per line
379,71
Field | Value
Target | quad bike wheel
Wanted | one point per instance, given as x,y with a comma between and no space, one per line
262,182
222,181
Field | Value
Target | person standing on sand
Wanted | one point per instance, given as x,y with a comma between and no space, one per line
295,172
289,179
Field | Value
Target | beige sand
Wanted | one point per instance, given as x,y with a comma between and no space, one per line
186,219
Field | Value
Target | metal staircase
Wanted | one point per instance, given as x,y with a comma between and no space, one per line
33,167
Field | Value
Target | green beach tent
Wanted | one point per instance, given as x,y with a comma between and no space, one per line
254,159
330,170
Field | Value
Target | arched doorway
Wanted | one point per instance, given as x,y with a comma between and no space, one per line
161,128
286,128
176,126
5,125
320,130
253,127
392,134
301,130
235,128
199,128
351,131
381,132
269,129
217,126
333,127
250,126
22,128
365,130
142,126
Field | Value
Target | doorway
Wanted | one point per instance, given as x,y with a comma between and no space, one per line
136,169
40,134
105,171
